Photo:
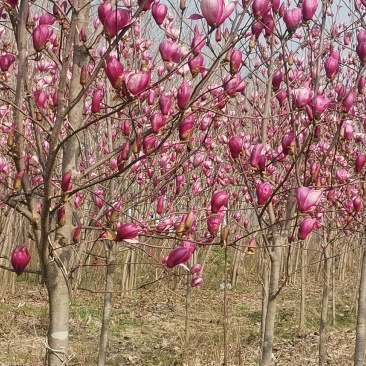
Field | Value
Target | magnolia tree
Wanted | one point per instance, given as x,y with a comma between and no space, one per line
236,124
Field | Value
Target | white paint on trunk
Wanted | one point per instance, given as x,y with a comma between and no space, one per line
60,335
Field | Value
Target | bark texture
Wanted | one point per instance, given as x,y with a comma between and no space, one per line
361,316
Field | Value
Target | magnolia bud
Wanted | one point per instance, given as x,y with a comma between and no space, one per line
218,200
251,246
196,268
61,219
178,256
127,231
360,162
306,227
76,235
196,281
19,259
65,183
263,190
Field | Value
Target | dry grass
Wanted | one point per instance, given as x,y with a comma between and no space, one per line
148,326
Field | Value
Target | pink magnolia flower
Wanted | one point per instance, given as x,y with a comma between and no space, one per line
159,12
288,143
213,224
4,166
361,46
115,21
235,146
276,6
251,246
127,231
342,175
147,4
218,200
281,96
136,82
61,219
76,234
188,245
157,121
46,19
103,10
269,24
198,41
292,19
148,143
263,190
195,64
65,183
216,11
331,64
178,256
233,84
307,198
236,59
41,35
257,29
237,216
185,128
19,259
361,84
255,155
357,203
160,205
302,96
165,102
306,227
183,95
96,100
196,281
114,71
198,159
260,7
347,131
320,104
348,101
309,8
167,49
277,80
360,162
10,4
59,9
196,268
6,61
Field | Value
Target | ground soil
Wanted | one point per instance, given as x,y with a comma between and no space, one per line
148,326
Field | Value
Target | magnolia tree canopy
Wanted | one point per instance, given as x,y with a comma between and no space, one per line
197,124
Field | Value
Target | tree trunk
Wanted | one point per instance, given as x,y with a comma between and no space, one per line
272,301
265,290
59,298
324,309
361,316
107,305
303,288
333,273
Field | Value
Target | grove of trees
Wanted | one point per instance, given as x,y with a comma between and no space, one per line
156,131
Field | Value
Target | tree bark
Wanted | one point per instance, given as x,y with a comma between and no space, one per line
303,288
59,298
107,306
272,301
265,291
361,316
324,309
